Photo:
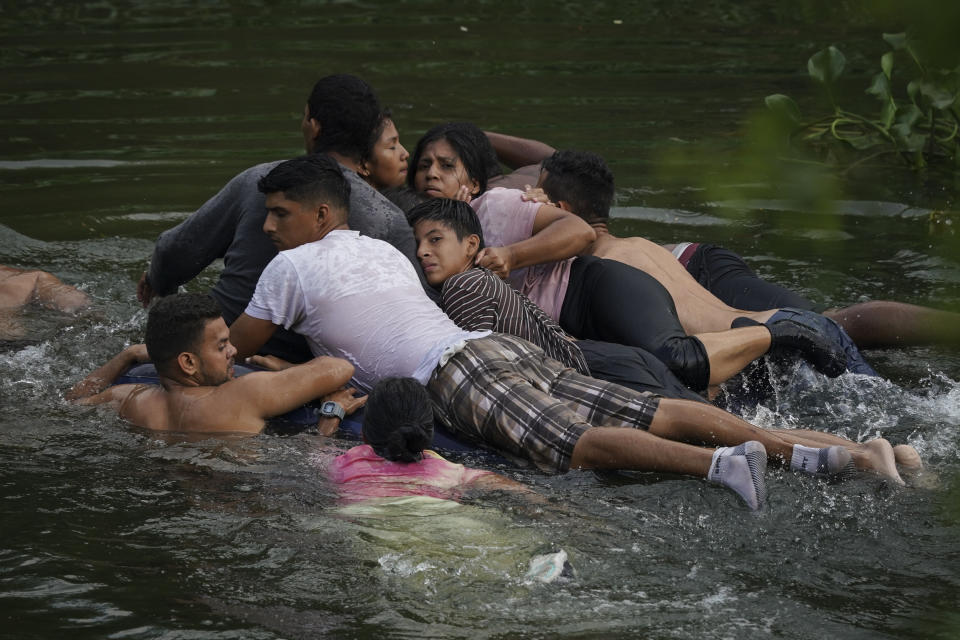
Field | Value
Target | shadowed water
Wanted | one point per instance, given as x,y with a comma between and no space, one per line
117,119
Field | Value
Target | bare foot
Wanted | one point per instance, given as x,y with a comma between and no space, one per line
912,467
907,457
877,455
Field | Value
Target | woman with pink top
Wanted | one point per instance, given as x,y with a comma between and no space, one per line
396,461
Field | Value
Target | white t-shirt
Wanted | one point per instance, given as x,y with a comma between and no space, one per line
507,219
359,299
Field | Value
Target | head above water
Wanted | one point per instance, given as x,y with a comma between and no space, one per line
186,337
385,165
452,155
579,181
340,117
448,236
398,419
306,198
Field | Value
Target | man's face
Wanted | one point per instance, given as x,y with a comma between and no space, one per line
216,354
440,172
289,223
441,254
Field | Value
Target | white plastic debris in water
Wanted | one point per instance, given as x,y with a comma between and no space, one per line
548,567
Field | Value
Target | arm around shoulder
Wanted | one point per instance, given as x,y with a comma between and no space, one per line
557,235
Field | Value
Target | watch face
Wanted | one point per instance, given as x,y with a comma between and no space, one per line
331,409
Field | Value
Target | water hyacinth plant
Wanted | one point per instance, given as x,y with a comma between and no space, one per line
917,123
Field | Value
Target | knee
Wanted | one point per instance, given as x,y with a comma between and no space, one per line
687,358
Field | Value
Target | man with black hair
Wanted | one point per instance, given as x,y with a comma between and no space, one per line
339,119
189,343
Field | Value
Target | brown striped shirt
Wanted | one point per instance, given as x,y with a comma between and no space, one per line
478,300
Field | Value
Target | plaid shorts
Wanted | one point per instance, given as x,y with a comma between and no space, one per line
507,393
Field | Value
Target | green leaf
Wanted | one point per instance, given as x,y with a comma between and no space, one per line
880,87
908,139
826,66
888,113
939,97
886,63
913,89
783,107
896,40
864,142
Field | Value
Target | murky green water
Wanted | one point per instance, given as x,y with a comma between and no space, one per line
119,118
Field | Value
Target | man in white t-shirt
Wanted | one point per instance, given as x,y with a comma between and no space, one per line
358,298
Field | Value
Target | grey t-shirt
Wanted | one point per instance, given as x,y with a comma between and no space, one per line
230,226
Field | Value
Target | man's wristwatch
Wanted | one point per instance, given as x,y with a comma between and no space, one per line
331,409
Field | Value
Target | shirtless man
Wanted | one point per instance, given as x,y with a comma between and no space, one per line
189,343
580,181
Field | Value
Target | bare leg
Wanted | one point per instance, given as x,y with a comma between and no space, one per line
883,323
53,293
699,423
619,448
730,351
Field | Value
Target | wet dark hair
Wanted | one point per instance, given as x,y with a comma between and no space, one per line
175,324
582,179
475,151
348,111
398,419
457,215
313,178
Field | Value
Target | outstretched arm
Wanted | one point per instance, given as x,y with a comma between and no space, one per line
272,393
187,249
557,235
90,387
518,152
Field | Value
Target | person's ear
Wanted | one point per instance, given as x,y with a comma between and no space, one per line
188,362
363,170
473,245
323,212
563,204
474,187
313,128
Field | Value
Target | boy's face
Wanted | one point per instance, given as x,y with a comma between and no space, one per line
441,254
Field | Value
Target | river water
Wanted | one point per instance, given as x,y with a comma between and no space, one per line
119,118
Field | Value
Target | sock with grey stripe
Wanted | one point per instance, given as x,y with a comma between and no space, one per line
834,463
741,468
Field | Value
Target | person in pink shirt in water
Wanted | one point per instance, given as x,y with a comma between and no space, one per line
396,461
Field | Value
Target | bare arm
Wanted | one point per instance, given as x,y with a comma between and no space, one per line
271,393
518,152
93,384
248,334
557,235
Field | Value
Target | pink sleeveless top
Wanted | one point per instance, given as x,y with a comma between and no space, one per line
366,475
